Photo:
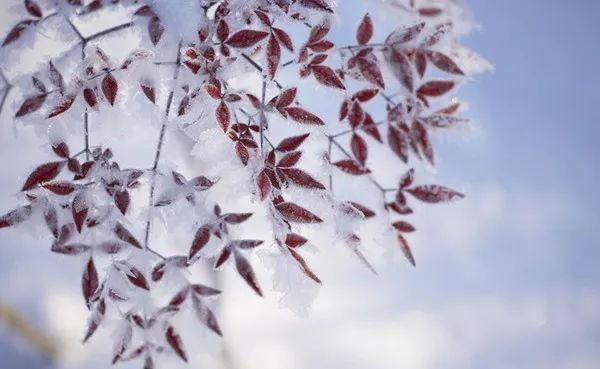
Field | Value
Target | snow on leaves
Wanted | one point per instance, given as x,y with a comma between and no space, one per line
89,204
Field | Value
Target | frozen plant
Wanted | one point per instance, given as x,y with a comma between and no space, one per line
235,77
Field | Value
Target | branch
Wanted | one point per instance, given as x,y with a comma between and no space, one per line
161,139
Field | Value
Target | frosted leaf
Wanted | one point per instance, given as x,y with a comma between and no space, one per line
297,291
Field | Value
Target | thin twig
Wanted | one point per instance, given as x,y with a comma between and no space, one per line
161,139
108,31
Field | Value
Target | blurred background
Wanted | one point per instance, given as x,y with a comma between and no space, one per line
507,277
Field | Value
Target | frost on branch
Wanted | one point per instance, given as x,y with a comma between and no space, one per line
221,78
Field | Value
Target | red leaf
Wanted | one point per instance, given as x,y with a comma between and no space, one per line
17,30
318,32
184,105
90,97
223,256
180,297
443,62
242,152
43,173
244,269
435,88
122,201
175,342
429,12
351,167
206,316
406,249
137,278
236,218
405,35
402,226
155,29
204,290
296,214
365,95
246,244
286,97
320,47
273,56
31,104
124,235
60,188
95,320
222,30
290,159
64,105
33,8
110,88
246,38
200,240
213,91
222,114
79,210
317,4
61,149
420,63
434,193
407,179
356,115
291,143
294,240
145,11
302,116
304,266
326,76
450,109
398,143
19,215
366,212
149,91
401,67
359,148
301,178
370,128
343,110
421,137
70,249
89,281
283,38
365,30
370,71
55,77
263,185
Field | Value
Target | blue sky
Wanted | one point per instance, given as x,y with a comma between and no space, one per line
508,277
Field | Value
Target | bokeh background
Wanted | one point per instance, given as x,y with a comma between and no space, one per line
508,277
